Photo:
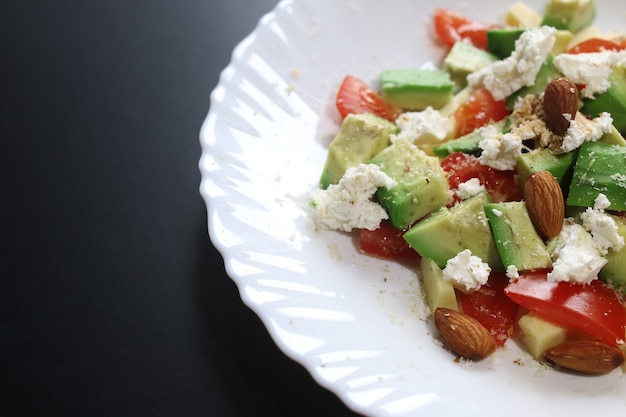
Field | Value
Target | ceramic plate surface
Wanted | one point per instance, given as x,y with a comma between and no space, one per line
356,323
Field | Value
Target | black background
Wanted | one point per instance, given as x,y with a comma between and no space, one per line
112,300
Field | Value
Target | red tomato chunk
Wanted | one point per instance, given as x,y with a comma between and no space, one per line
594,308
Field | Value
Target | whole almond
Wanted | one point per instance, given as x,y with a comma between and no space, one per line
463,334
545,202
560,98
587,356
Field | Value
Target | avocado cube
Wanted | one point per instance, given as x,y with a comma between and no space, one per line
517,241
542,159
416,88
599,168
612,100
614,272
437,291
360,138
444,233
539,335
422,184
572,15
463,59
501,42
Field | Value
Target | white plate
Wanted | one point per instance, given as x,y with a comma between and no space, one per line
356,323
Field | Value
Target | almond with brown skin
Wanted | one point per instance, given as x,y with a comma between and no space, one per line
560,98
545,202
587,356
463,334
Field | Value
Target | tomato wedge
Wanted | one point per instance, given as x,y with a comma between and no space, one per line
501,185
451,27
593,308
492,307
596,45
386,242
356,96
480,109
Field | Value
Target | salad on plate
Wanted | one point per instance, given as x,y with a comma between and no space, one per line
499,173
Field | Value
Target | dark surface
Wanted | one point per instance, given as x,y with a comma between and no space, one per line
112,300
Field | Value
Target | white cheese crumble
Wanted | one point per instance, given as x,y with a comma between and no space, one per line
575,255
602,227
582,129
348,204
466,271
501,150
591,69
426,125
469,188
504,77
512,272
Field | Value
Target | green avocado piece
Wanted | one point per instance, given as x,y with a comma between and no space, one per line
612,100
469,143
416,88
517,241
599,168
444,233
547,73
572,15
463,59
559,165
360,138
422,183
614,272
501,42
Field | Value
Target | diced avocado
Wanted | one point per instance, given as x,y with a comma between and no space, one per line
416,88
613,138
468,143
422,183
562,40
614,272
517,241
572,15
464,59
599,168
612,100
538,335
438,292
547,73
520,15
360,138
501,42
444,233
559,165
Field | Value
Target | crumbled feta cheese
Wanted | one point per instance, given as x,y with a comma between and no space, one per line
348,204
582,129
504,77
591,69
469,188
602,226
500,150
512,273
427,125
576,257
466,271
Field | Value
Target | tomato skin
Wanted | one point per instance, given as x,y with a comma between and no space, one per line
480,109
596,45
501,185
386,242
593,308
492,307
356,96
451,27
